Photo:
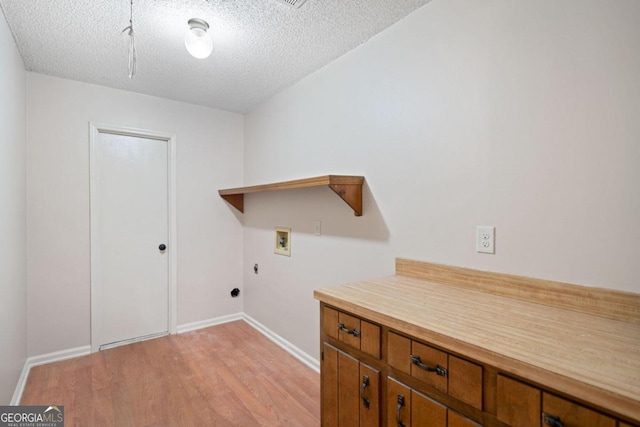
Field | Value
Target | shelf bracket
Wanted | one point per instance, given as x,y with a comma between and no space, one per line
351,194
235,200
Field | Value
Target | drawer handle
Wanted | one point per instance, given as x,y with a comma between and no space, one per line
551,420
354,332
363,395
400,405
439,370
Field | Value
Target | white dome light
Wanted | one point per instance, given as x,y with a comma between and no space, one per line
197,40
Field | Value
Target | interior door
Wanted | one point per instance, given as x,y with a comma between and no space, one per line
130,228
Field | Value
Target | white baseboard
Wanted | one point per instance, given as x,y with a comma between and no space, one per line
42,359
188,327
305,358
22,381
302,356
57,356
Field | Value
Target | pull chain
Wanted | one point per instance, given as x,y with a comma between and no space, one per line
132,45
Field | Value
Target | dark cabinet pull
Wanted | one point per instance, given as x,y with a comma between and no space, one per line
162,247
400,405
354,332
439,370
551,420
365,384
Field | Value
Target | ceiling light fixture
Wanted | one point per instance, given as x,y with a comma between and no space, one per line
197,40
293,3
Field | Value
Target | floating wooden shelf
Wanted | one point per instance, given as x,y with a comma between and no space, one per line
349,188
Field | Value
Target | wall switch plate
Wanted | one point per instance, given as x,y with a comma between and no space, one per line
316,228
485,239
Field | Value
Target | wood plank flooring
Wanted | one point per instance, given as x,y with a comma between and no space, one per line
225,375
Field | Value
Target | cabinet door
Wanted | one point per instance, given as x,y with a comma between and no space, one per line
369,396
426,412
398,404
348,388
518,404
568,414
350,391
457,420
329,385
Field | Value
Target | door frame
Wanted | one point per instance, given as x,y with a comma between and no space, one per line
95,129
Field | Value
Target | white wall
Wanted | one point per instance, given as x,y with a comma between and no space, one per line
522,115
13,252
209,157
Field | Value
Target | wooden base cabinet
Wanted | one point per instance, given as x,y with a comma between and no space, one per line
373,375
350,391
456,347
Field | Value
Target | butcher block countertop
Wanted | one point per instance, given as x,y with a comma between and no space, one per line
589,350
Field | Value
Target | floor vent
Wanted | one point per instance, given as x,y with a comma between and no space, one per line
293,3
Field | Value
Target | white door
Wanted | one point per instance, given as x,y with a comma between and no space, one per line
130,222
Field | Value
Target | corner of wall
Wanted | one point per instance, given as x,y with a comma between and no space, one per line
13,256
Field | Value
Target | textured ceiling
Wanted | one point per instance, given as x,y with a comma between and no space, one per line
261,46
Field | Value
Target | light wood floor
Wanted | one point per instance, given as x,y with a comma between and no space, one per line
226,375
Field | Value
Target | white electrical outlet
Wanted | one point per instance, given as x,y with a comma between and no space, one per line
485,239
316,228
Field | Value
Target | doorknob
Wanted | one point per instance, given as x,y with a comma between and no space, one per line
162,247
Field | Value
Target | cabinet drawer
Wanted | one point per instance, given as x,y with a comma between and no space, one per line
518,404
329,321
465,381
398,352
571,414
429,365
351,330
522,405
459,378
